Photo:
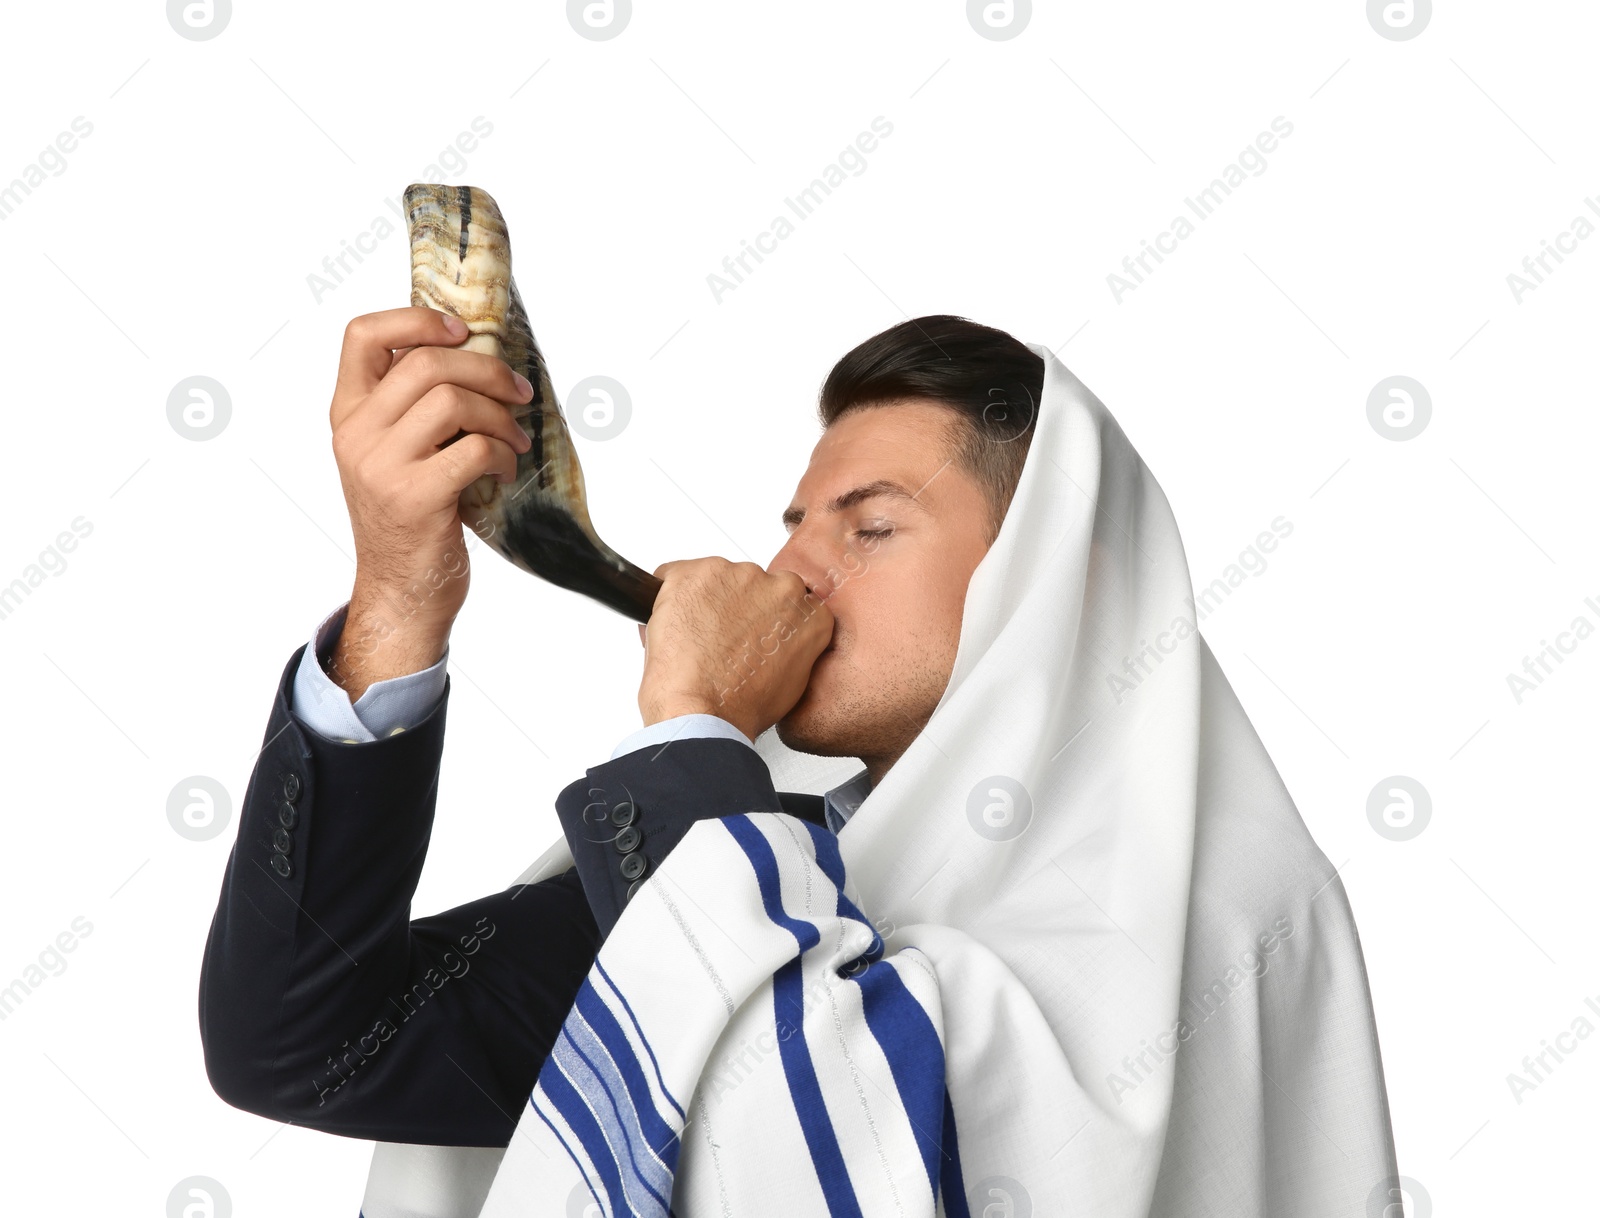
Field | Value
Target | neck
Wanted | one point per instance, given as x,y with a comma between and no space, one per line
877,767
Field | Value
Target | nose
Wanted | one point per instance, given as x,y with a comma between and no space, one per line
806,559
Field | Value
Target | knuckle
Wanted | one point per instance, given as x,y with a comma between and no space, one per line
426,362
479,448
363,475
437,404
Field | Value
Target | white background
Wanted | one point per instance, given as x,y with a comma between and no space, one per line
178,240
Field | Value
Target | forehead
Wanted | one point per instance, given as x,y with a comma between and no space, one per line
913,433
894,448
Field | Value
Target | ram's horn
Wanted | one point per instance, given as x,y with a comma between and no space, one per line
461,264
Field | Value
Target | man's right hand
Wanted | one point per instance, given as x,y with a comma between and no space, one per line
402,395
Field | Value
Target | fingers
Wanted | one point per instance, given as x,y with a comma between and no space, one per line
791,583
429,367
370,340
444,412
458,466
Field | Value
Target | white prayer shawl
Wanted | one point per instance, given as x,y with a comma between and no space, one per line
1075,954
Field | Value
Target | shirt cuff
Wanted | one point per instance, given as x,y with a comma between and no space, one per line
384,707
680,727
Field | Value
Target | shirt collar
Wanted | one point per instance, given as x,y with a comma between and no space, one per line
840,803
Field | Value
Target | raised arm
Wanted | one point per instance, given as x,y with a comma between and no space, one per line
323,1003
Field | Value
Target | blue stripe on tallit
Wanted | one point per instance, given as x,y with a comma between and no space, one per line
595,1074
804,1092
905,1035
826,846
596,1082
910,1045
643,1039
955,1189
569,1104
661,1138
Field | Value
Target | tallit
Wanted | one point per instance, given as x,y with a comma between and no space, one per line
1076,953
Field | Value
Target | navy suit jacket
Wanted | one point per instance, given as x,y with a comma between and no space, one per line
324,1003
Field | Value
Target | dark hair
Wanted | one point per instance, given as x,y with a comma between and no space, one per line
990,381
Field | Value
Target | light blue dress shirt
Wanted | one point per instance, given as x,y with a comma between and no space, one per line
387,707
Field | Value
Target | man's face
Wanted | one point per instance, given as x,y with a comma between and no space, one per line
893,569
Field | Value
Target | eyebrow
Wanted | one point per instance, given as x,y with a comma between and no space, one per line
879,488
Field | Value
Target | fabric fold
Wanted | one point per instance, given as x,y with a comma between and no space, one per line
742,1006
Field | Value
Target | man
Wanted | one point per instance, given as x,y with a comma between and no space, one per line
311,943
1085,830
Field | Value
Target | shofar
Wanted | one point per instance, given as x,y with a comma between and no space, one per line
461,264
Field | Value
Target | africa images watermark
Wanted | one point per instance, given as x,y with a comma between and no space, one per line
1542,663
51,561
1143,663
803,204
384,1028
1537,1068
1204,204
1252,962
740,1062
51,963
451,160
1536,266
52,159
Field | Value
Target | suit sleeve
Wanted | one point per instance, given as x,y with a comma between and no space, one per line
324,1004
624,817
384,708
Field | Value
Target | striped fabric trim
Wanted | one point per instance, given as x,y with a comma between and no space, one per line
904,1033
602,1094
826,848
950,1181
633,1021
788,999
603,1085
910,1043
